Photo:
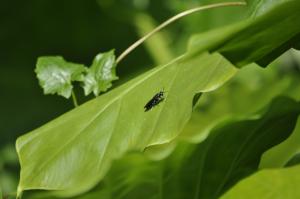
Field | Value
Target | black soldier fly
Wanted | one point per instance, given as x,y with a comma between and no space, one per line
156,99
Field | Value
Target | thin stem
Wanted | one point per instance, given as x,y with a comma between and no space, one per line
171,20
74,99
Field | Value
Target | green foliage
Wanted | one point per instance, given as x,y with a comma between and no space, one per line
74,152
56,75
100,75
273,183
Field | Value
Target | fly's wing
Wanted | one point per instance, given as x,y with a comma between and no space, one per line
149,105
161,99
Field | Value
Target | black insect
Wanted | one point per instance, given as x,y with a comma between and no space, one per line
156,99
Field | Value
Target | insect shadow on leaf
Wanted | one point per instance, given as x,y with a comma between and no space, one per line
155,100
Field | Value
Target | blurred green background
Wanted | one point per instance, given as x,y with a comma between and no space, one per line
78,30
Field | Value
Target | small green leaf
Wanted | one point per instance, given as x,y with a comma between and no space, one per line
56,75
100,74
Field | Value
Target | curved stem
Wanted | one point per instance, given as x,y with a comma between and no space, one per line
171,20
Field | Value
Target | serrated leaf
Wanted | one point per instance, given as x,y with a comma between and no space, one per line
56,75
100,75
73,152
268,184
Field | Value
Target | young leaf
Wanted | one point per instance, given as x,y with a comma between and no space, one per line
100,75
56,75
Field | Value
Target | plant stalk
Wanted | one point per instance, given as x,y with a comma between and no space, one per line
74,99
173,19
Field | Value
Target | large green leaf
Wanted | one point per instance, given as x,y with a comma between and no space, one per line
73,152
206,170
56,75
254,40
280,155
268,184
